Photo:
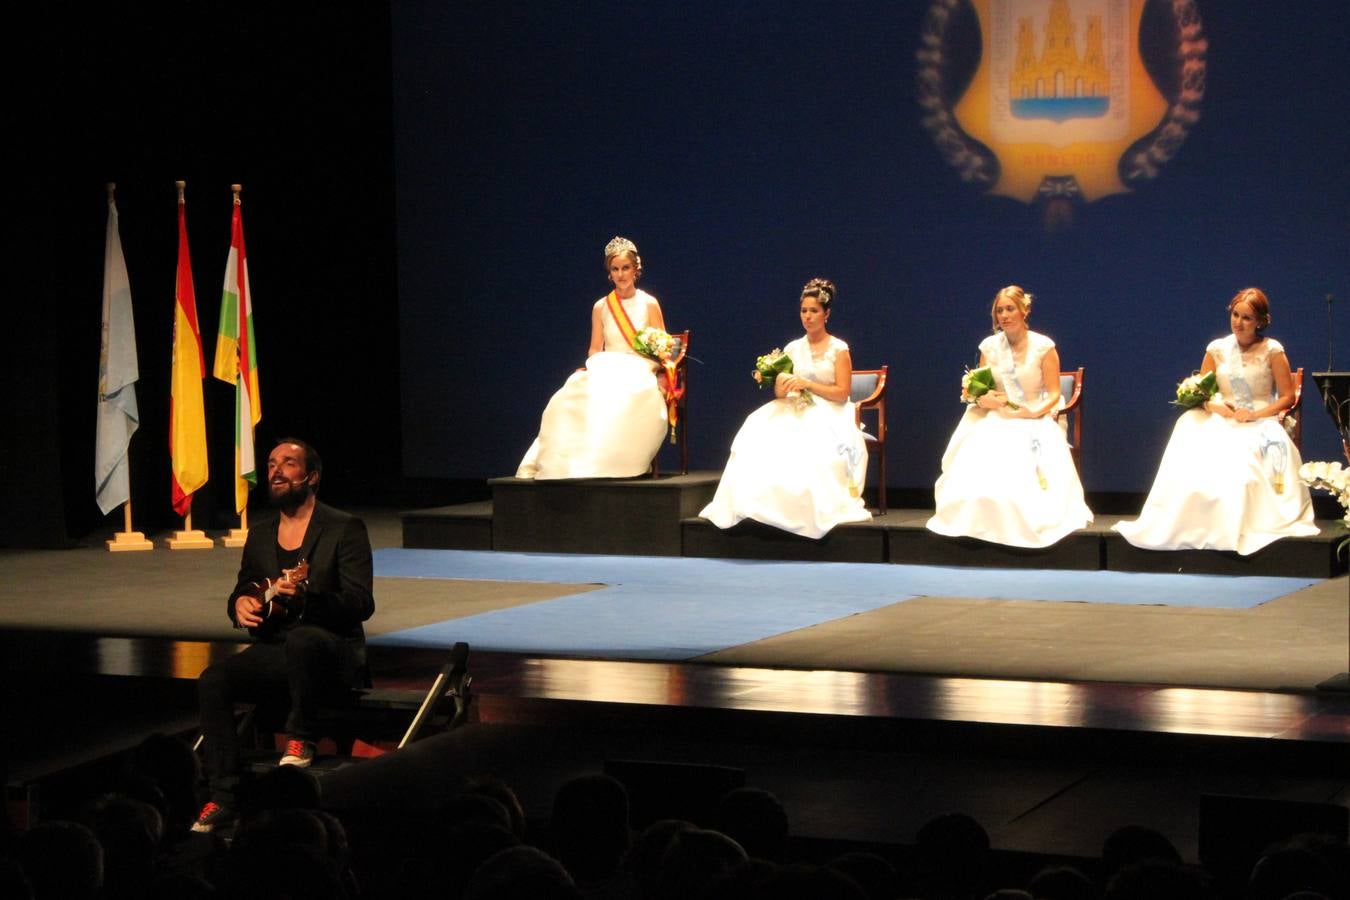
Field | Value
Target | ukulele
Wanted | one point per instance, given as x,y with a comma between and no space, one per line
279,610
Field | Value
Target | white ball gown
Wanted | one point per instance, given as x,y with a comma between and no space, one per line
794,466
1223,484
607,420
1010,481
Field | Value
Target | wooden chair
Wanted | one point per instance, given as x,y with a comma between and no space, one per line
868,393
681,357
1071,387
1292,418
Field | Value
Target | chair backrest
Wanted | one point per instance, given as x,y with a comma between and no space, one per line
1070,415
867,390
1292,418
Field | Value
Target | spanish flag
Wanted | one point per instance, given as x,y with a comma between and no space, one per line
237,360
187,415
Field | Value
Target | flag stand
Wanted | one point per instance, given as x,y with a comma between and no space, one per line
126,539
189,538
237,536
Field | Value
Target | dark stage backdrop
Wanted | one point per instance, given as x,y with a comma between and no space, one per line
293,101
749,146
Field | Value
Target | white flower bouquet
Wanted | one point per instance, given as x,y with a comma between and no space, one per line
975,383
1195,390
1335,480
769,366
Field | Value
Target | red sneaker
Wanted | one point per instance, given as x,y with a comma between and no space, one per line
298,753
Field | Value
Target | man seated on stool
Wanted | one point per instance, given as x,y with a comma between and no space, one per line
304,589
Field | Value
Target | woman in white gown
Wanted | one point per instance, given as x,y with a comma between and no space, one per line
1228,479
1008,476
608,419
799,461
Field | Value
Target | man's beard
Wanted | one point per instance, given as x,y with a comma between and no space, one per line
290,496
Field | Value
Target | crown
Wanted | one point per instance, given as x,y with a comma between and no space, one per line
620,245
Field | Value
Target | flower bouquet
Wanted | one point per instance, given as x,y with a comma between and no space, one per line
975,383
1195,390
657,345
654,343
769,366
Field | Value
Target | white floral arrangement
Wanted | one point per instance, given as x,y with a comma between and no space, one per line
1330,477
1334,479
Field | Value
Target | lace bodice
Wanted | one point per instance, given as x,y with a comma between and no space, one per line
805,364
636,307
1245,378
999,356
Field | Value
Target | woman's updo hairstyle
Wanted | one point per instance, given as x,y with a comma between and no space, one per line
1257,300
622,245
1016,295
823,290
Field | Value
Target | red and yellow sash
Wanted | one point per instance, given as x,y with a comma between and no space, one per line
668,366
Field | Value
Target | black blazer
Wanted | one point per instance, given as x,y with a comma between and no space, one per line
341,570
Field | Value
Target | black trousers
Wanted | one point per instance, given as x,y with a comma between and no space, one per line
310,665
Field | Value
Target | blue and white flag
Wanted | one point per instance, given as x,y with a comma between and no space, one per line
117,374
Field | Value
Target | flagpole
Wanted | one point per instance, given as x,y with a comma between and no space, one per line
188,538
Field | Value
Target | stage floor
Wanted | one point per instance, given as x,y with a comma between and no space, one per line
1291,643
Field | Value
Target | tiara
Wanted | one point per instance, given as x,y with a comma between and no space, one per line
620,245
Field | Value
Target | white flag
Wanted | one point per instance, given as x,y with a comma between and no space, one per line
117,374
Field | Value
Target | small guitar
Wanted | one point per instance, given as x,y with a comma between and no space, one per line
279,610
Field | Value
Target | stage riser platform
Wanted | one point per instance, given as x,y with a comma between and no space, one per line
659,517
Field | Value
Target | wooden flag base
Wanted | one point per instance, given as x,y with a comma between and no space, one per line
190,539
235,538
128,540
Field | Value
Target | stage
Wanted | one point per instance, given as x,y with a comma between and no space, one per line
1051,720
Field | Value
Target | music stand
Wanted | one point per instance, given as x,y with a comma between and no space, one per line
1335,390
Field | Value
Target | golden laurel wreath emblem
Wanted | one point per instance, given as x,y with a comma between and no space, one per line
1060,101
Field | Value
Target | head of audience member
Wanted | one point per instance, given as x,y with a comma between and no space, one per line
1009,894
181,886
129,830
1132,844
589,827
61,860
749,880
1020,299
1155,879
755,819
1062,883
285,872
642,863
951,856
172,765
693,861
871,872
521,873
475,808
13,882
800,881
500,791
1289,869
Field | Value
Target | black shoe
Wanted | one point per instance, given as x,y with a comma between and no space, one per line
212,817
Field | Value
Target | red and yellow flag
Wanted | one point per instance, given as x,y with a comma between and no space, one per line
187,415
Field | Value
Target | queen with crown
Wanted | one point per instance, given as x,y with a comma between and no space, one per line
608,419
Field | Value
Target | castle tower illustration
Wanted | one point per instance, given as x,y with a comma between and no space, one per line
1059,84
